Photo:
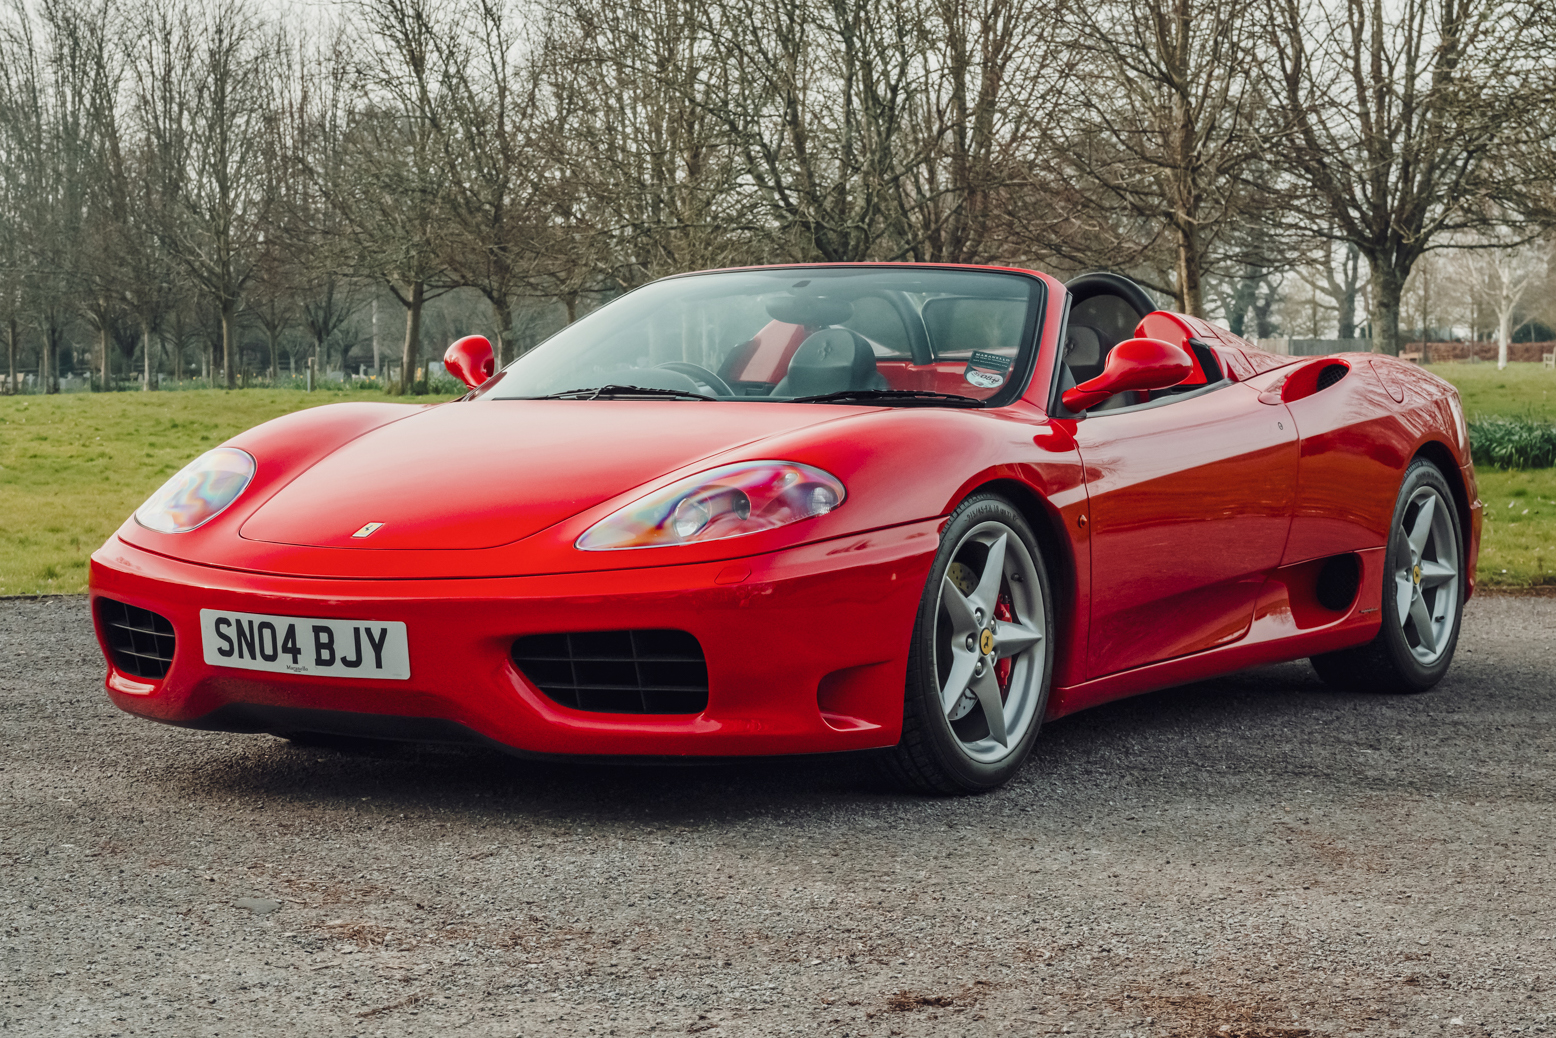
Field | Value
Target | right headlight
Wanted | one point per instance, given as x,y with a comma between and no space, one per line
732,501
199,492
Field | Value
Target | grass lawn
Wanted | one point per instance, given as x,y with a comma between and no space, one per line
72,467
1518,543
1518,540
1521,391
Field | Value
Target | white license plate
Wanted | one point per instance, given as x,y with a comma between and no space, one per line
305,645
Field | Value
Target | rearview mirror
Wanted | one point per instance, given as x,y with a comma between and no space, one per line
470,360
1133,364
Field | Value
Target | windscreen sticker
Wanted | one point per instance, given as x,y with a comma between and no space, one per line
987,370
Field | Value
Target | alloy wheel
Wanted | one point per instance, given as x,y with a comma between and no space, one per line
1426,574
989,651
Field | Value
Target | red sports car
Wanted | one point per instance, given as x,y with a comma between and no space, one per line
905,508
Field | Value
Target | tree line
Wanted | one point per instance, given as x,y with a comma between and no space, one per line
173,168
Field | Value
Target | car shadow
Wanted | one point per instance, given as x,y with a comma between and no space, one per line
1238,712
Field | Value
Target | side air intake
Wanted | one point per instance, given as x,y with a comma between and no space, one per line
1313,378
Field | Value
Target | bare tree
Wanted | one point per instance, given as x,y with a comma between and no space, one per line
201,90
498,159
391,190
817,98
1501,277
1411,119
50,129
1170,126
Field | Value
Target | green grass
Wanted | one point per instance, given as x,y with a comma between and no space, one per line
1521,391
1518,541
74,466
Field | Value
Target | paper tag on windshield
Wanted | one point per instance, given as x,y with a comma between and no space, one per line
986,370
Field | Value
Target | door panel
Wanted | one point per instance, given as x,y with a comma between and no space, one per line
1191,503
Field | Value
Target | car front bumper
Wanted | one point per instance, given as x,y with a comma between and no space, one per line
806,649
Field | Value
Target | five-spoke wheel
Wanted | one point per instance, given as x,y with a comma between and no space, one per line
981,657
1426,573
1423,595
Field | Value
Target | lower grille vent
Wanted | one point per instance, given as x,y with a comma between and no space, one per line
141,641
617,672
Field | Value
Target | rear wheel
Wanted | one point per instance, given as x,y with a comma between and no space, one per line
981,656
1423,595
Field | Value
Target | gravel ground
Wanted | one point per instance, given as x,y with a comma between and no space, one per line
1256,856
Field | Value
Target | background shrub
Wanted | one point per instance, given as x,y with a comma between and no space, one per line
1513,443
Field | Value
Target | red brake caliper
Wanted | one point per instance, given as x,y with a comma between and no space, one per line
1003,611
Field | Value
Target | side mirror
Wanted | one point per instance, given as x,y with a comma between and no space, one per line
1133,364
470,360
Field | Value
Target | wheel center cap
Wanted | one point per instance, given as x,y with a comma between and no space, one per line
1415,574
986,642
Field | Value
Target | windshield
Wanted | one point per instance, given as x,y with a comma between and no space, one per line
917,335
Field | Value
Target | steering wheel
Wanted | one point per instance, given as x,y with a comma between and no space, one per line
700,373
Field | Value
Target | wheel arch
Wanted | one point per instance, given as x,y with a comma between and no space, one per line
1442,458
1048,528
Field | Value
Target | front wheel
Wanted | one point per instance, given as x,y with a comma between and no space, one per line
1423,595
981,656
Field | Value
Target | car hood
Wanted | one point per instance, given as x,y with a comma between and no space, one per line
480,474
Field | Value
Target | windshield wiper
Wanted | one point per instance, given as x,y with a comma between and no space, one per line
891,398
616,392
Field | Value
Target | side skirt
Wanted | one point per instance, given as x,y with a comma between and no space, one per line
1286,625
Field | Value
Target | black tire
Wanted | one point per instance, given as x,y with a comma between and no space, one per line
931,757
1390,663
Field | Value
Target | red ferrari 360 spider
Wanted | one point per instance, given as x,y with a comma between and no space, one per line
905,508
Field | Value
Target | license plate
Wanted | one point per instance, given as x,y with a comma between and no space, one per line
306,645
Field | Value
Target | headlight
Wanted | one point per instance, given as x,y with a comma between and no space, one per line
199,492
747,497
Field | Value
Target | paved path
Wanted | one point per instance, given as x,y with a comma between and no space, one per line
1253,856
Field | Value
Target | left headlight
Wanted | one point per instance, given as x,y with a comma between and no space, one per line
198,492
732,501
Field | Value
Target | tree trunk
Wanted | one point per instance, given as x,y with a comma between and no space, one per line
1504,335
1190,289
227,351
504,314
45,356
274,365
149,370
412,349
1388,286
10,353
107,348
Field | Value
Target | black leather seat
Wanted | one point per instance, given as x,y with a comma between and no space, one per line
831,360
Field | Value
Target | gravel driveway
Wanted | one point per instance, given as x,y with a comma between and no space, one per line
1252,856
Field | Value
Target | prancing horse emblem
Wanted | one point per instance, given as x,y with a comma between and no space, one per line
367,531
986,642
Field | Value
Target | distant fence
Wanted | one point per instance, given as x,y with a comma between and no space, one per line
1524,352
1315,347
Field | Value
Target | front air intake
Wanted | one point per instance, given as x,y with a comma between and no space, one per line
617,672
140,641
